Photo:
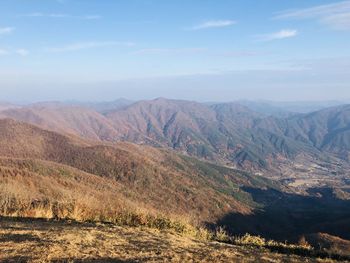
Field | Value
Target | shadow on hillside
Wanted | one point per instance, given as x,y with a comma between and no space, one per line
20,259
97,260
19,238
6,222
16,259
288,216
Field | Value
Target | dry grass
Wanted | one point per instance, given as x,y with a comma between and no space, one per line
303,248
41,189
45,241
117,185
154,179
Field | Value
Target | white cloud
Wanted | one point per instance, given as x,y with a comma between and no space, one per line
45,15
6,30
336,15
59,15
338,21
90,17
169,51
87,45
282,34
3,52
238,54
22,52
213,24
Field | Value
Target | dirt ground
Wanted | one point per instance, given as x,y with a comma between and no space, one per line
24,240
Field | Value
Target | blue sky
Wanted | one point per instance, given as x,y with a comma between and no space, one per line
192,49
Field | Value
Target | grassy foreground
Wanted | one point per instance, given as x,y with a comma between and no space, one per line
29,240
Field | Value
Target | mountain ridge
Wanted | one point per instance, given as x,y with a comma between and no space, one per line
229,133
166,181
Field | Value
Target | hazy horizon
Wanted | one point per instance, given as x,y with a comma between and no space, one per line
194,50
277,103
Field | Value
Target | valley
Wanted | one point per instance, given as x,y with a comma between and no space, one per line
174,131
161,165
230,134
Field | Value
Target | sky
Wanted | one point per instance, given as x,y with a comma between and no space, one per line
204,50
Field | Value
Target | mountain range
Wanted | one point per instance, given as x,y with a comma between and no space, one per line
155,179
228,133
217,164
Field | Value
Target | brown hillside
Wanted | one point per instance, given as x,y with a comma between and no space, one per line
75,120
227,133
330,243
159,179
